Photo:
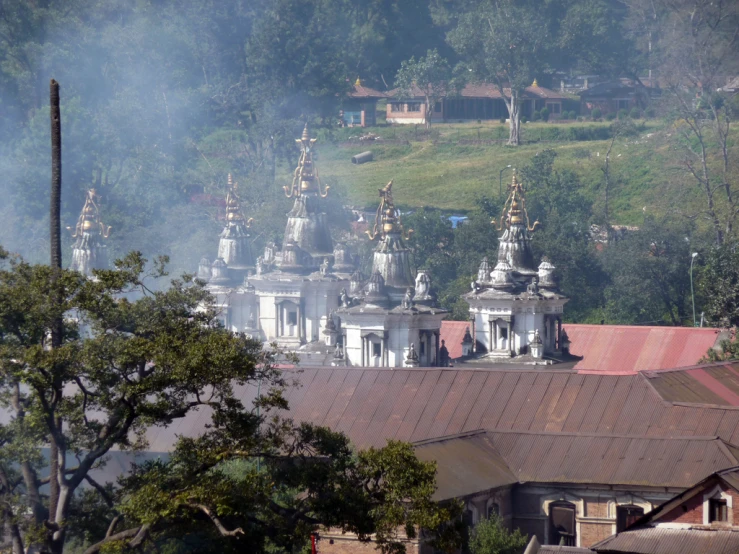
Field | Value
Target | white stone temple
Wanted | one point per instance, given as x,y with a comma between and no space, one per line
516,309
392,320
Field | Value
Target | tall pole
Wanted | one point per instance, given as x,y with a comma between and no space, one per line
692,295
56,266
500,180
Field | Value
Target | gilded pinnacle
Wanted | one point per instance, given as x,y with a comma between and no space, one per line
89,219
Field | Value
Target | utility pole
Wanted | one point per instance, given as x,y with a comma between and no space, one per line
55,243
692,259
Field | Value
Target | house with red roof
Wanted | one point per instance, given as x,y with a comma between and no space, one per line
481,101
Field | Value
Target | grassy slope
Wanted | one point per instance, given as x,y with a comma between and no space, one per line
452,176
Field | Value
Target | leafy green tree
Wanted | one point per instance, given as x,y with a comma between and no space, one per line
431,76
717,286
131,360
490,536
649,275
511,42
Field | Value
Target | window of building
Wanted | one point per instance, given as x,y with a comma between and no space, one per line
623,104
562,529
718,510
292,318
414,106
626,515
422,349
504,332
554,108
493,510
396,107
376,349
437,107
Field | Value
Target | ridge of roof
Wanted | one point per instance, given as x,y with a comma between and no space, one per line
609,435
665,327
450,437
654,373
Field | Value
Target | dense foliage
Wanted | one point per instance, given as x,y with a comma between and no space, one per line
132,360
490,536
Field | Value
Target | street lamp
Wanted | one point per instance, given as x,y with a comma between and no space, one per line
692,259
500,189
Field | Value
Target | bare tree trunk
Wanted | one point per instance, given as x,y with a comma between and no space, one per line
514,112
56,264
427,114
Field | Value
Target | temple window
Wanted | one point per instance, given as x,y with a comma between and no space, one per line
414,106
292,318
626,515
718,512
376,349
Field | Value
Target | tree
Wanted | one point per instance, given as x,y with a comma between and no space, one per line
431,76
490,536
511,42
718,286
699,42
132,359
649,275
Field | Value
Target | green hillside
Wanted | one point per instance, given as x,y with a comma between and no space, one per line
451,168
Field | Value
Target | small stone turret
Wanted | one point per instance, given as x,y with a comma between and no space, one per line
424,294
307,225
88,250
547,279
376,294
483,273
343,262
204,269
219,273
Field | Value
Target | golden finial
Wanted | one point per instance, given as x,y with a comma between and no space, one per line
535,83
358,82
514,209
386,220
89,220
305,177
234,213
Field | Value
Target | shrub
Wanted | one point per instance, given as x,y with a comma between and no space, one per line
544,114
573,114
502,120
635,113
596,113
536,116
610,116
623,114
524,119
649,112
490,535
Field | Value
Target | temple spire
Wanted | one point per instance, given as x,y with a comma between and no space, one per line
307,240
305,178
87,253
514,246
386,220
233,246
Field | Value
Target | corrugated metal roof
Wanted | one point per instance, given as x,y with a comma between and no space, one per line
361,91
716,384
609,459
374,405
551,549
618,349
657,540
628,349
465,465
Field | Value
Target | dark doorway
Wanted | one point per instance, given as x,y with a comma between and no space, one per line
626,515
562,524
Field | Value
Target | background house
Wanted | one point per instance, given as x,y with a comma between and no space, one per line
475,101
359,108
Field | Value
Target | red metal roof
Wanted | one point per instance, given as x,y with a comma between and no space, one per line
716,384
360,91
659,540
618,349
374,405
624,349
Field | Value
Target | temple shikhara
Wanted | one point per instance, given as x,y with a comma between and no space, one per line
571,433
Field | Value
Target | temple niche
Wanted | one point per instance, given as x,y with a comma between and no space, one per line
390,320
88,251
516,308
